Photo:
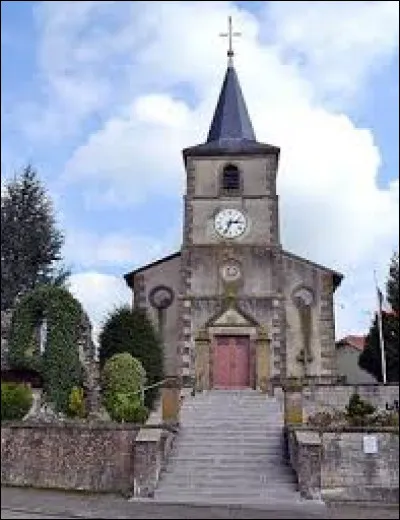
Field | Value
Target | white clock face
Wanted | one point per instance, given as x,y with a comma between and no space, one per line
230,223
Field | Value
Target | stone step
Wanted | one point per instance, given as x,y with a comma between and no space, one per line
240,488
214,441
229,472
232,434
228,495
237,433
274,465
232,466
257,414
237,417
251,406
275,503
244,426
204,421
211,462
238,449
271,440
247,407
217,480
229,450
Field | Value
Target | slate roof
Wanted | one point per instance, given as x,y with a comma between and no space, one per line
231,131
231,119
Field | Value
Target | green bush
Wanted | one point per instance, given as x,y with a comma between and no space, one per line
123,378
131,331
126,408
123,374
16,401
76,405
359,412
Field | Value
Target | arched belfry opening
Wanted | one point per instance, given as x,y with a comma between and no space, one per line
231,180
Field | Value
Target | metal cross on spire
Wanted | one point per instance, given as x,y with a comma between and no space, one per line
230,35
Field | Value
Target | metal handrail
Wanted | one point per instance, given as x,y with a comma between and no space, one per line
145,388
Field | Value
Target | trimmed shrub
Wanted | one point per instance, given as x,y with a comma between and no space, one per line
123,378
123,374
16,401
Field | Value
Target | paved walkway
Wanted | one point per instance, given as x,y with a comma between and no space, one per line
29,503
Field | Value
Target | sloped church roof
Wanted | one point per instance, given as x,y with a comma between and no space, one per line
231,131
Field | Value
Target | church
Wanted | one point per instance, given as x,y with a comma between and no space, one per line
233,307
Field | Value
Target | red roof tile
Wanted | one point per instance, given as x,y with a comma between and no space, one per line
357,342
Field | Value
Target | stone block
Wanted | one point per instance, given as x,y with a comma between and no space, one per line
293,402
148,456
170,398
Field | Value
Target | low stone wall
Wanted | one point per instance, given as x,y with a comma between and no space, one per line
317,398
102,457
339,465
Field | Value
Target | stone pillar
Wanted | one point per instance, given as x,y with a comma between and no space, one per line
293,401
263,369
202,361
147,461
170,397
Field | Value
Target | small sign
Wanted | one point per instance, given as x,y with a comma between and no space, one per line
370,444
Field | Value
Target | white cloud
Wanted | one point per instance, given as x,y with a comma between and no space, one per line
337,44
143,145
321,54
117,250
99,294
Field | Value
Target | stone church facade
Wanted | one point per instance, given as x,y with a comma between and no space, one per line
234,308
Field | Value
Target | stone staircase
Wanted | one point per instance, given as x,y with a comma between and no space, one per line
229,451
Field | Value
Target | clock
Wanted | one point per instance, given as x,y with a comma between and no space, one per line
230,223
230,271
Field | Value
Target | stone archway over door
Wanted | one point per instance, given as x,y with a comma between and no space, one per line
231,362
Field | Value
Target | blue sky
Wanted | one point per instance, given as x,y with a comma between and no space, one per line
102,96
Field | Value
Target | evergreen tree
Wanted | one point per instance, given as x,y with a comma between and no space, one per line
370,359
392,285
131,331
30,240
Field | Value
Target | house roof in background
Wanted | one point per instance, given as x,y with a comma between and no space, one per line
356,342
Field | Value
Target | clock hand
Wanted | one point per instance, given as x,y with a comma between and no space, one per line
230,222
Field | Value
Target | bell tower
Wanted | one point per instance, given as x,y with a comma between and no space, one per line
231,246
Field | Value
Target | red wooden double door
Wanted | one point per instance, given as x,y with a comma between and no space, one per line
231,362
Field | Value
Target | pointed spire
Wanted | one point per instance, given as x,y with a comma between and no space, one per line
231,119
231,131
